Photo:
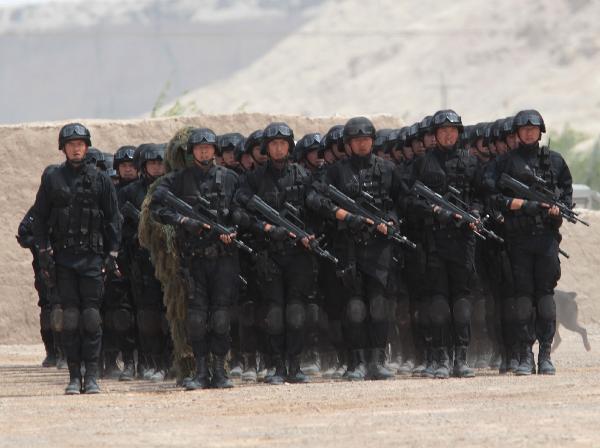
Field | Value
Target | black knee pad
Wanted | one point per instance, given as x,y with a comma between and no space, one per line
219,321
524,308
121,320
149,321
45,320
546,307
378,308
295,315
478,311
247,314
196,324
313,313
462,311
92,321
274,320
70,319
509,309
439,311
57,321
356,311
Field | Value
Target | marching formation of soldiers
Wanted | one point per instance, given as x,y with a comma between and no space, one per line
360,254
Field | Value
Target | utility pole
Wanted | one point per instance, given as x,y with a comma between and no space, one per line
444,88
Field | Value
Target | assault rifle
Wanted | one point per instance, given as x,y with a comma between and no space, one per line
372,212
538,192
201,213
257,205
436,199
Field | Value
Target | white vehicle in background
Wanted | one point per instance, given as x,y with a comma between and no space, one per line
585,197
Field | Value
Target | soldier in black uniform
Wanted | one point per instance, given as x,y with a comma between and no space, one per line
210,262
231,146
117,306
533,238
448,244
146,289
252,146
77,229
365,253
287,273
50,337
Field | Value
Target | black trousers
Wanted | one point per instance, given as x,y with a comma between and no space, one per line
80,297
536,271
449,273
287,283
214,289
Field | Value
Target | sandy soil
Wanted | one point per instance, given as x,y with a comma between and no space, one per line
489,410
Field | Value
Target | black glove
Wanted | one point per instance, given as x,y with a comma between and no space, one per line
47,266
355,222
192,225
277,233
531,208
444,216
111,265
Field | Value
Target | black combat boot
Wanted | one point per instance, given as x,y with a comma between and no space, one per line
128,373
220,380
295,374
342,365
74,386
461,368
48,340
430,364
377,369
420,364
443,363
235,365
111,369
357,371
527,363
249,374
202,378
90,384
545,366
311,364
280,373
61,361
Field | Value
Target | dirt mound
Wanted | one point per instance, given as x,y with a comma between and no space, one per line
29,148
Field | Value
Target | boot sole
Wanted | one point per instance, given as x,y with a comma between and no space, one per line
72,392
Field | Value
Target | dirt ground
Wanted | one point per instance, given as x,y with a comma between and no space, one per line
489,410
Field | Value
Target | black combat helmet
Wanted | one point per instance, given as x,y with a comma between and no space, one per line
446,117
94,156
253,140
334,135
358,127
507,127
381,139
425,126
233,141
201,136
73,131
277,130
123,154
152,151
309,142
412,133
528,117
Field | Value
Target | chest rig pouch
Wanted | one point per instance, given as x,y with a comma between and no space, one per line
76,218
285,193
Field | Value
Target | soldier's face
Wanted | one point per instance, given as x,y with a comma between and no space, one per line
313,158
203,152
329,156
447,136
408,152
247,162
361,146
229,158
155,168
75,150
480,147
397,154
511,141
127,171
417,147
257,156
501,147
337,152
529,134
278,149
429,140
